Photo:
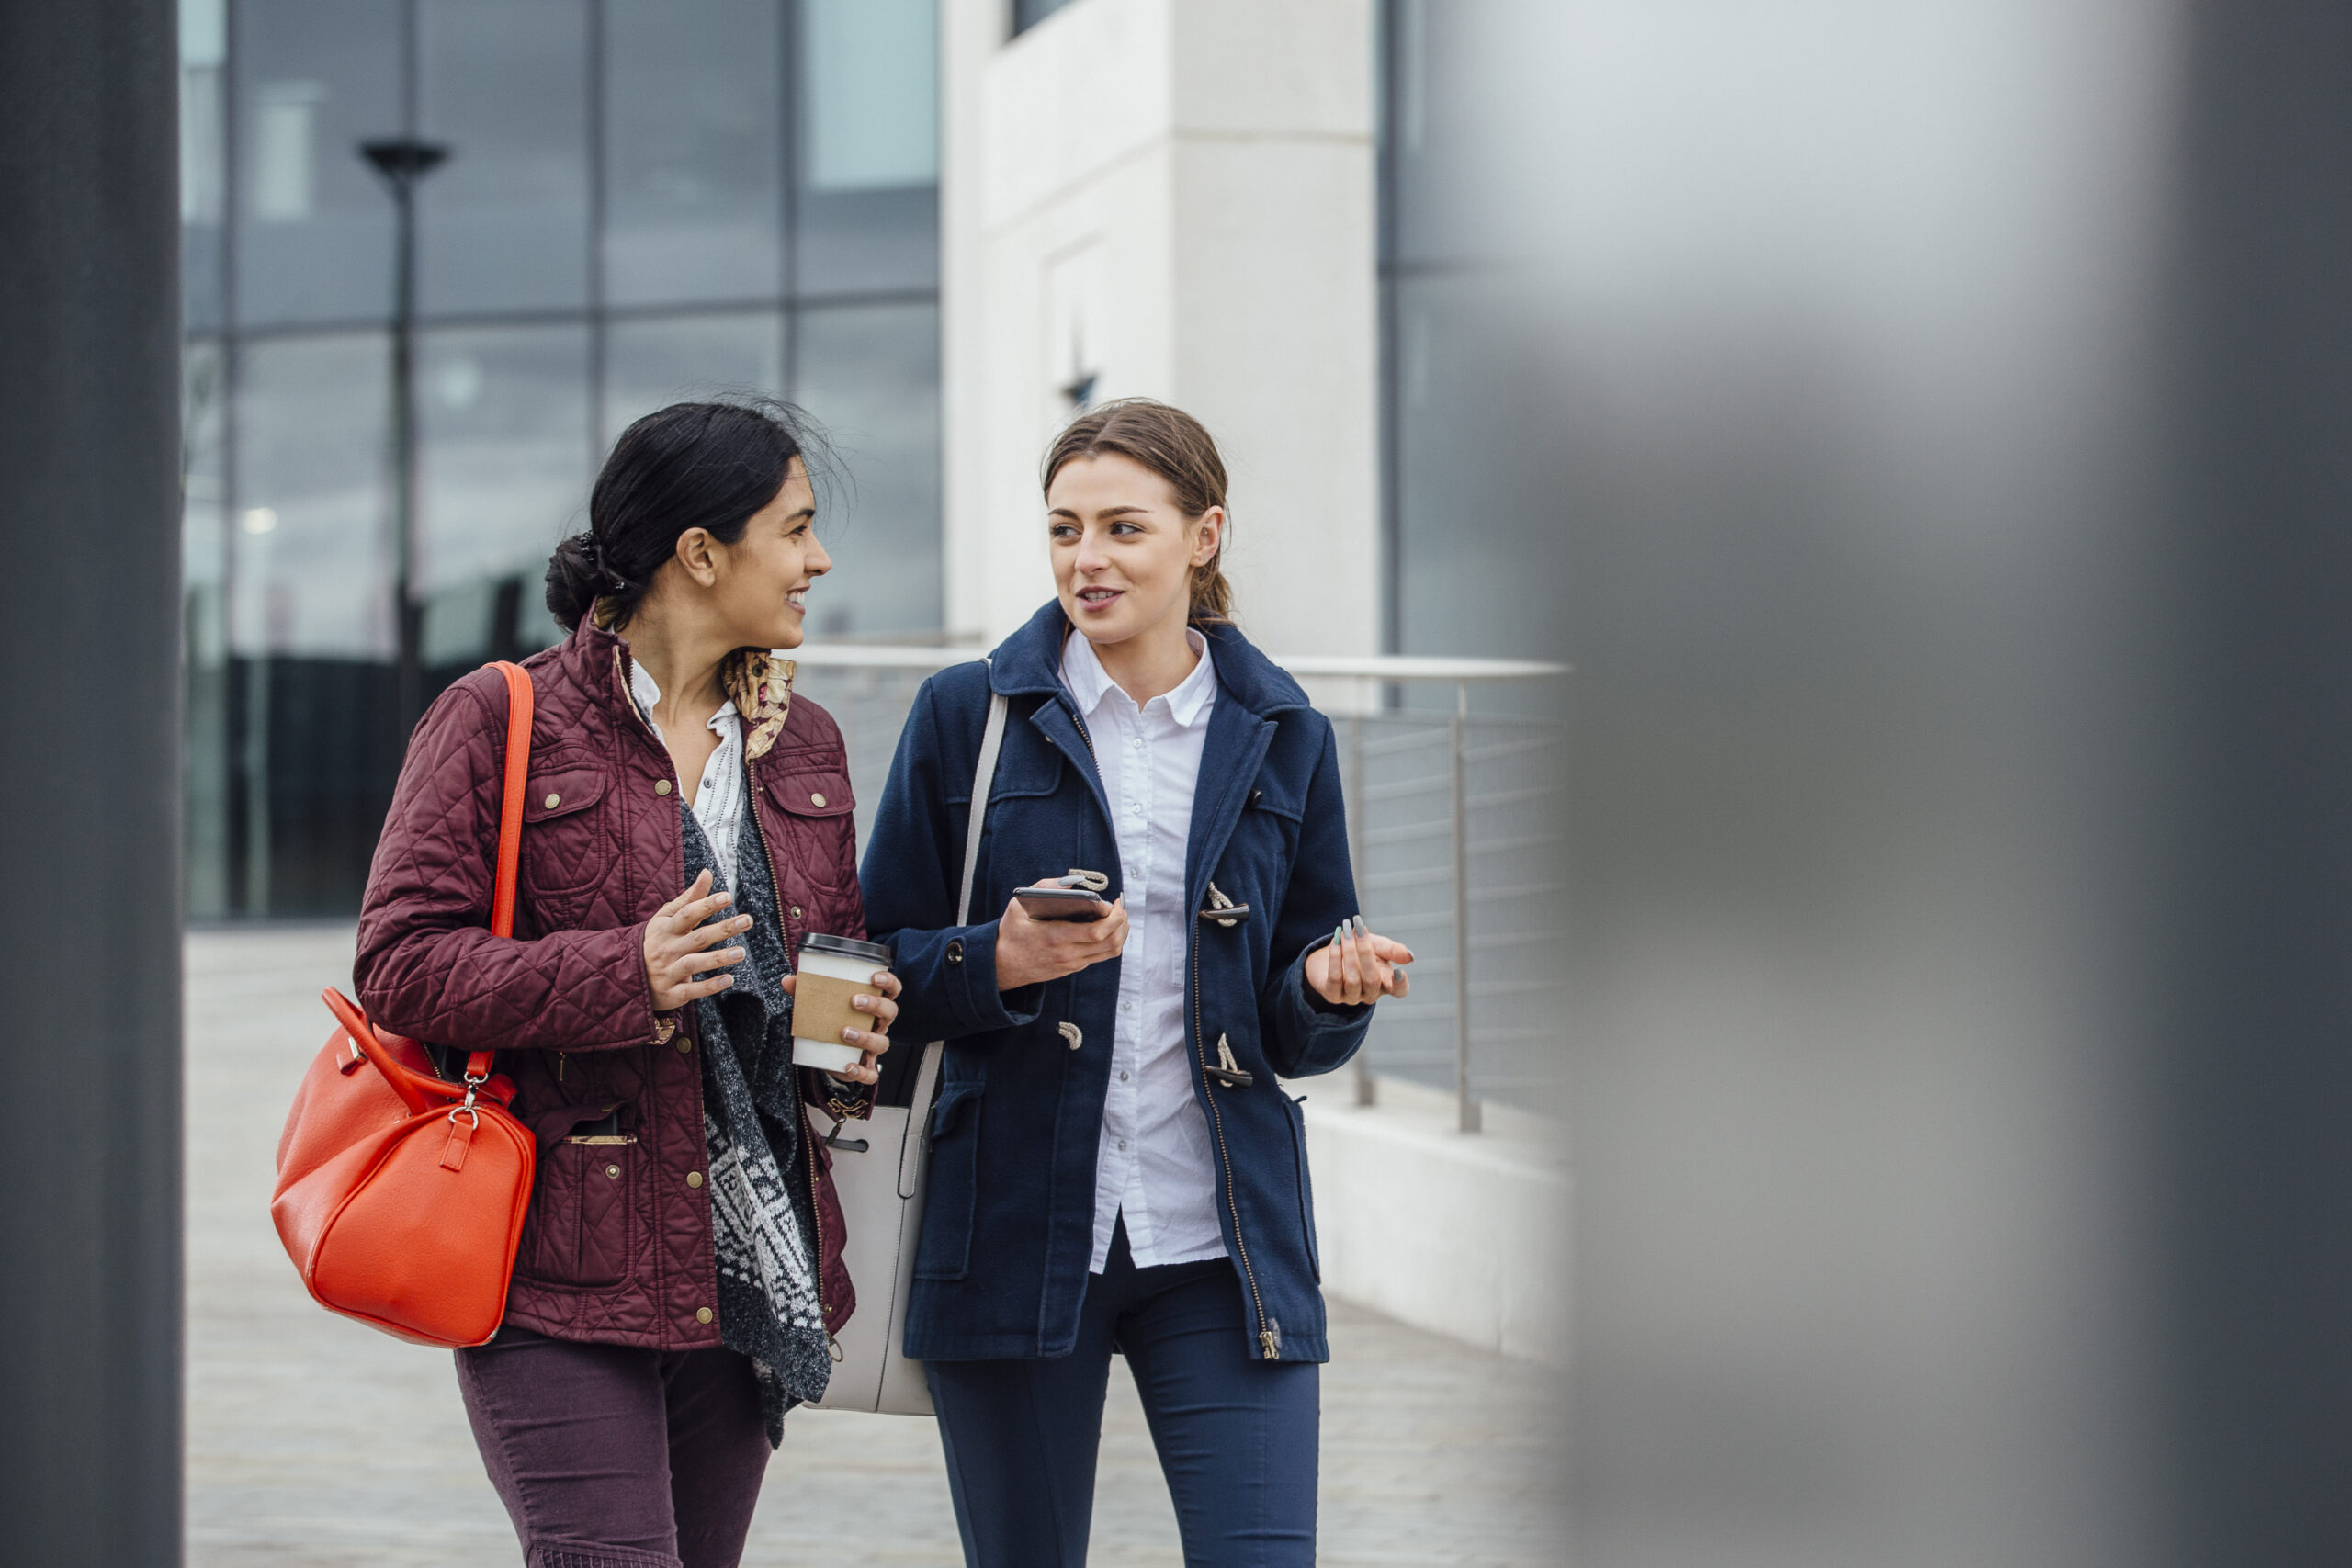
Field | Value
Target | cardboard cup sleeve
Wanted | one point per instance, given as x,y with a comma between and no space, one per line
821,1008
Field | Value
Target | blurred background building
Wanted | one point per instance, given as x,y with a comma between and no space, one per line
644,200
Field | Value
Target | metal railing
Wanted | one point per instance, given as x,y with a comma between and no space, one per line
1454,823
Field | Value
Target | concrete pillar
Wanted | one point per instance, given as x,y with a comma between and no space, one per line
90,777
1172,198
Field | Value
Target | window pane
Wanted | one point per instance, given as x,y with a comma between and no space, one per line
868,214
652,363
203,179
504,468
314,229
1027,13
503,225
694,151
870,375
204,562
311,749
311,567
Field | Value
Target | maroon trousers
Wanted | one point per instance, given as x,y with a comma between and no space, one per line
608,1457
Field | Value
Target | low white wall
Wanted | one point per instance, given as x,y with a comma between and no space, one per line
1465,1235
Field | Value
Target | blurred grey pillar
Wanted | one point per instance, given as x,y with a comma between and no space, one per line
90,773
2257,1013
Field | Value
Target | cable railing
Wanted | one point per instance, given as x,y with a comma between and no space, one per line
1455,824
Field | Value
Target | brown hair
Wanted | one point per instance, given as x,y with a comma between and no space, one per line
1172,444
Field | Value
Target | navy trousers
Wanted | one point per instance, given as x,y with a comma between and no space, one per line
1237,1437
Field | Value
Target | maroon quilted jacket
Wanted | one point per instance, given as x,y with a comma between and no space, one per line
617,1244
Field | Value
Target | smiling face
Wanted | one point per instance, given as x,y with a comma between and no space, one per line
757,583
1123,551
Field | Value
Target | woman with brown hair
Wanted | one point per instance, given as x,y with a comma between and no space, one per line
1114,1164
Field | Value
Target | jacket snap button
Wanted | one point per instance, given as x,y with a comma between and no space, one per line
613,1170
702,1315
553,801
684,1045
693,1179
955,953
660,786
816,800
796,911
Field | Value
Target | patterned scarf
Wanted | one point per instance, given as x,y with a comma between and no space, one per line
761,1223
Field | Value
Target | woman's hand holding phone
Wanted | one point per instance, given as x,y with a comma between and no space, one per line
1357,967
1029,950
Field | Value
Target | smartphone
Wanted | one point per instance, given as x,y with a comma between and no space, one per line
1061,903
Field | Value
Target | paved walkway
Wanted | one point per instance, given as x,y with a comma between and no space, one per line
313,1441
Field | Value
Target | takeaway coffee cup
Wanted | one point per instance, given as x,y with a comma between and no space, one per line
832,970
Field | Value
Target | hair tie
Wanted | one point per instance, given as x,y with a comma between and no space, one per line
605,574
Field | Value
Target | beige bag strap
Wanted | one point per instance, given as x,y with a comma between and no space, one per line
927,1076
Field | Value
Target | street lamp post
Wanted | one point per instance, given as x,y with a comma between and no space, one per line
403,161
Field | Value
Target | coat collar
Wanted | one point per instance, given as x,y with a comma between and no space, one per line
756,680
1030,661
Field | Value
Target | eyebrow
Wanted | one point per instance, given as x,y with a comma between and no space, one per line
1105,511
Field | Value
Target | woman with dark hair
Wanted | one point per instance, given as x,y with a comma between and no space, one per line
1115,1165
686,826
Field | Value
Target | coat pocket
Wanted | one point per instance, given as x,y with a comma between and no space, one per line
1306,1183
946,1250
580,1229
565,837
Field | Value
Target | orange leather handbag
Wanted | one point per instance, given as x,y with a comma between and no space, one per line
401,1195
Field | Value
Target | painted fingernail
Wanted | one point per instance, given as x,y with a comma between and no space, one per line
1361,929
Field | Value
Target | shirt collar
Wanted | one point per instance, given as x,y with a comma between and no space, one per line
1088,682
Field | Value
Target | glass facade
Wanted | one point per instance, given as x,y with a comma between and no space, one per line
1473,511
645,200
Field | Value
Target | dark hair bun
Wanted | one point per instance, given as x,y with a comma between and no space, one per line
574,581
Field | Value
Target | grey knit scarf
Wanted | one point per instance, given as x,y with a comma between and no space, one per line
760,1203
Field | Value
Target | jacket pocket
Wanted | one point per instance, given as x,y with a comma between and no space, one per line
945,1249
579,1230
1306,1183
565,843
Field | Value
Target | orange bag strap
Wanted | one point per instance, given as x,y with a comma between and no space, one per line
510,828
510,807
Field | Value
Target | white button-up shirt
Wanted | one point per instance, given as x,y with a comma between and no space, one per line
1154,1165
723,799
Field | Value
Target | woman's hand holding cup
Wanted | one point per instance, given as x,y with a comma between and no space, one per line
1029,950
883,1004
678,946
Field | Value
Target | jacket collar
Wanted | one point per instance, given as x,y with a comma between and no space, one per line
756,680
1030,661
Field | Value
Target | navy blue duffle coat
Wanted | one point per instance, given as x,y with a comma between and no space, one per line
1008,1225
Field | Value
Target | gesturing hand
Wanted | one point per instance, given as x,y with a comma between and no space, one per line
1357,967
1029,950
678,946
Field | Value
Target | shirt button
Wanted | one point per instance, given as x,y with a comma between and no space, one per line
660,786
1122,1142
702,1315
1123,1078
693,1179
